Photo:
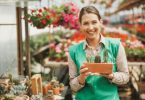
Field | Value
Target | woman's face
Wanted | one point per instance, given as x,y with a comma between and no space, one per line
91,25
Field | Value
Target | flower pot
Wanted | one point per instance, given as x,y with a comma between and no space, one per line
49,86
141,86
45,89
50,95
102,68
56,91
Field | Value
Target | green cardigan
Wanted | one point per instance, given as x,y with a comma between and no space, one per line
96,87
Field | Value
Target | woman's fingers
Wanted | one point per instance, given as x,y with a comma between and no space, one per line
88,73
83,70
109,76
83,66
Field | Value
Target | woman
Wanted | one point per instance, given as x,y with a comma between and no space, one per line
86,85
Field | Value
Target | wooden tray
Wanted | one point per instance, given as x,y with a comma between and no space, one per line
102,68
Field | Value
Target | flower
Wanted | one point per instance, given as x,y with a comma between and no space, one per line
77,37
59,51
67,15
40,18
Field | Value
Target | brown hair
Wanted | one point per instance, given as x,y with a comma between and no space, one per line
88,9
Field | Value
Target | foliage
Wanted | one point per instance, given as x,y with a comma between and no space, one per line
135,53
59,52
40,18
59,47
2,90
59,38
65,15
36,42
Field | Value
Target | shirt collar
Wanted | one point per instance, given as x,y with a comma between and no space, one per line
102,41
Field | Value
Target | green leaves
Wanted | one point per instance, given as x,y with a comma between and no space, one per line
105,55
135,53
2,90
97,59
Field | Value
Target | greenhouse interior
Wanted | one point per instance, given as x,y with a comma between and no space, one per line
40,34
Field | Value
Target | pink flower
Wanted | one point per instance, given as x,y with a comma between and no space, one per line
67,53
58,49
60,45
71,3
74,10
66,49
52,45
66,17
43,21
66,5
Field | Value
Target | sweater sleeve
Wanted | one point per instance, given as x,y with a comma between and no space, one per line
74,83
122,74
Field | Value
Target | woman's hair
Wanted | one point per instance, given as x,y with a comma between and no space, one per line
87,10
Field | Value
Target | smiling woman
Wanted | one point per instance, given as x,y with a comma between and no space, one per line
96,86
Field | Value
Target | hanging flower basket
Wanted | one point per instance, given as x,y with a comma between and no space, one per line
40,18
65,15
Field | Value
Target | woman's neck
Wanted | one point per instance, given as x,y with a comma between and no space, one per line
94,42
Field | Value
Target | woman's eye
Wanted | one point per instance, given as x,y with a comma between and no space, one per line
85,23
94,22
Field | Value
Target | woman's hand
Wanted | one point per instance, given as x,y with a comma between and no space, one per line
83,74
109,76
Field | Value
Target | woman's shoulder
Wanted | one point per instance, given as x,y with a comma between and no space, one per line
113,40
76,46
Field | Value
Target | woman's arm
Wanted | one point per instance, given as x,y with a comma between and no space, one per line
74,82
122,75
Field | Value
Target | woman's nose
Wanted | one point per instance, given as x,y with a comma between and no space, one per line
90,27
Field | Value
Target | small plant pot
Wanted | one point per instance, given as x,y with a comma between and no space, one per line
49,86
45,89
56,91
102,68
141,86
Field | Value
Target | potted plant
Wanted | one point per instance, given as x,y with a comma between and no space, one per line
95,65
2,91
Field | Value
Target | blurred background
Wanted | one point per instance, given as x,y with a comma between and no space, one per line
36,34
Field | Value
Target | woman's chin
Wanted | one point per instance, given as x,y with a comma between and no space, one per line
91,37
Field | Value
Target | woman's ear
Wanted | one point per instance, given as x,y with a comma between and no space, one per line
101,21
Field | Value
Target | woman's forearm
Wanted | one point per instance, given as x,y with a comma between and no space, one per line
120,78
75,85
